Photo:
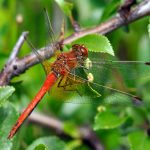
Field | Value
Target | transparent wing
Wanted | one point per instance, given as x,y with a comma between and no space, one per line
84,92
50,36
112,81
123,74
50,43
50,40
45,64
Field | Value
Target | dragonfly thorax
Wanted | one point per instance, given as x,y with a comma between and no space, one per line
69,60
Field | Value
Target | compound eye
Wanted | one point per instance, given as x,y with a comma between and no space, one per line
84,51
80,49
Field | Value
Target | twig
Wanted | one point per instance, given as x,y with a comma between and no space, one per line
10,66
17,47
125,8
86,134
19,66
75,25
90,138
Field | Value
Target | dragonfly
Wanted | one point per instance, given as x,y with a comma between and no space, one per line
69,70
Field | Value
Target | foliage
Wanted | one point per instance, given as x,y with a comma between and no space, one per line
8,116
117,126
107,120
5,93
135,139
47,143
149,28
65,6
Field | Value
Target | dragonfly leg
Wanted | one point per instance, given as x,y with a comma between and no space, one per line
69,84
66,83
60,81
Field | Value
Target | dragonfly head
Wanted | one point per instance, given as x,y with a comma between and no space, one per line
80,50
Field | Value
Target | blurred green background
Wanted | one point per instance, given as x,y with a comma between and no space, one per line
18,16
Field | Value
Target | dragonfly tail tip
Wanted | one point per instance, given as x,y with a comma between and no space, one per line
9,136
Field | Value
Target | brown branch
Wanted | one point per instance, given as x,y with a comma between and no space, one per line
74,23
5,74
85,133
17,47
19,66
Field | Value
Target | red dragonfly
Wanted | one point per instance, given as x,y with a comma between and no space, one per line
62,72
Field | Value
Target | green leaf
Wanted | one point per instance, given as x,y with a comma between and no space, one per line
41,147
5,93
65,6
111,9
8,116
139,141
74,144
96,43
52,143
107,120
